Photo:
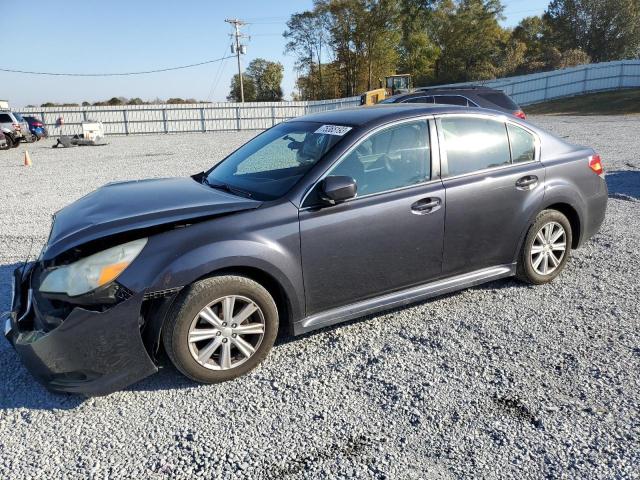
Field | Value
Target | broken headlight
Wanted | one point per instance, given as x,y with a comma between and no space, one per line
93,271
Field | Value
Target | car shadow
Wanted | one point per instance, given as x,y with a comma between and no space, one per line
624,185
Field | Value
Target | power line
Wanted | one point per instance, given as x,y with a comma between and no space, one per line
159,70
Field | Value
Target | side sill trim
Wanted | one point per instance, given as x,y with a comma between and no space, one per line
402,298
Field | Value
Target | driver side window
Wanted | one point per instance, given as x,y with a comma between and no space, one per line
395,157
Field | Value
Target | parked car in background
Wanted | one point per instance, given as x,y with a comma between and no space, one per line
316,221
25,128
36,127
12,128
469,96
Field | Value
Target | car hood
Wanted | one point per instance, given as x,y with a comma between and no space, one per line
124,206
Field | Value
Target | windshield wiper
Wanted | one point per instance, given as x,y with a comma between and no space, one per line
227,188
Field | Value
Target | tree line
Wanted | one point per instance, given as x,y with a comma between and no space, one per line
344,47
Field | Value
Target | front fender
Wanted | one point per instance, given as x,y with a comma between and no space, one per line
180,257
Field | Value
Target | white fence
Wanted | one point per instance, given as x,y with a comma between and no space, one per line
200,117
568,82
210,117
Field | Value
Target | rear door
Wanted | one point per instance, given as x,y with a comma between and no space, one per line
494,183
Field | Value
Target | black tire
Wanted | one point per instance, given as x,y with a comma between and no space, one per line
526,270
185,311
10,142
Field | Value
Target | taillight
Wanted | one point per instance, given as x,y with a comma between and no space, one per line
37,124
17,127
595,164
520,114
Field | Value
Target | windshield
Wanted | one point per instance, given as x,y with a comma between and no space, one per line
268,166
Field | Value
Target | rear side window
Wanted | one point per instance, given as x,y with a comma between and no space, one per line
500,99
451,100
419,100
5,118
523,145
474,144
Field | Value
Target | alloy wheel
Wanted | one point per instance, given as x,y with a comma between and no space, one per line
226,333
548,248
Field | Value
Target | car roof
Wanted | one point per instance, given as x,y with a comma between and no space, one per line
378,114
469,88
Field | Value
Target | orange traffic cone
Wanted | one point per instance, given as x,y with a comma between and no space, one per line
27,159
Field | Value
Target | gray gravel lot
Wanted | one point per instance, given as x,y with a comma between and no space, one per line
502,380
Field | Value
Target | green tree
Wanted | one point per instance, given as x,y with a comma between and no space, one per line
116,101
417,51
470,38
249,89
604,29
266,77
307,37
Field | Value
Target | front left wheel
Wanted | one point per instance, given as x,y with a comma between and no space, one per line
220,328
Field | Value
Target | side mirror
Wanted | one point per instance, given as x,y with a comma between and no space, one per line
337,189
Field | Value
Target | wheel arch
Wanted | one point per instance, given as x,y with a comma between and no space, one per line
574,220
270,283
156,310
568,210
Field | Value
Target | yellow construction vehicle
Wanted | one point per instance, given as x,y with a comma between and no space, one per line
393,84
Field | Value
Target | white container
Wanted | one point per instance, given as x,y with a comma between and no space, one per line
93,131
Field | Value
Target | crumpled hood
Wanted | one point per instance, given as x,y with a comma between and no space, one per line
119,207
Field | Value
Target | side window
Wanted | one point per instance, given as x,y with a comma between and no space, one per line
395,157
451,100
523,145
473,144
420,100
5,118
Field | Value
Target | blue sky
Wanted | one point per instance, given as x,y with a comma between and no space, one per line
119,36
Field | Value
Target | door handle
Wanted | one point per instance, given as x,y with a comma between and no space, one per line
425,205
527,183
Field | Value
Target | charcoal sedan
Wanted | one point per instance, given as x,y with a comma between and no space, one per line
315,221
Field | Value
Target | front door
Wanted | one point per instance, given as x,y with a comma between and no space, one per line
389,236
494,184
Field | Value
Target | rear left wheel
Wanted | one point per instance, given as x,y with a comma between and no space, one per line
221,328
546,248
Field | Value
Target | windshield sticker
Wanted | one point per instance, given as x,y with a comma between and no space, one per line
333,130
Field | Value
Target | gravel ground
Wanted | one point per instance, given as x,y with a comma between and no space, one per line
502,380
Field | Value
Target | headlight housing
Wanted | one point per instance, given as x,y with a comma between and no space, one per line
93,271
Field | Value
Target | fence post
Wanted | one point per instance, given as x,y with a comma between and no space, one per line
621,81
202,122
44,122
546,87
164,120
273,115
84,115
126,122
238,124
584,80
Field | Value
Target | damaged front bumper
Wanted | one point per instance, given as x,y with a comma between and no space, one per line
91,352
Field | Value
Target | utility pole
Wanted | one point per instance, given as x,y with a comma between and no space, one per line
239,48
